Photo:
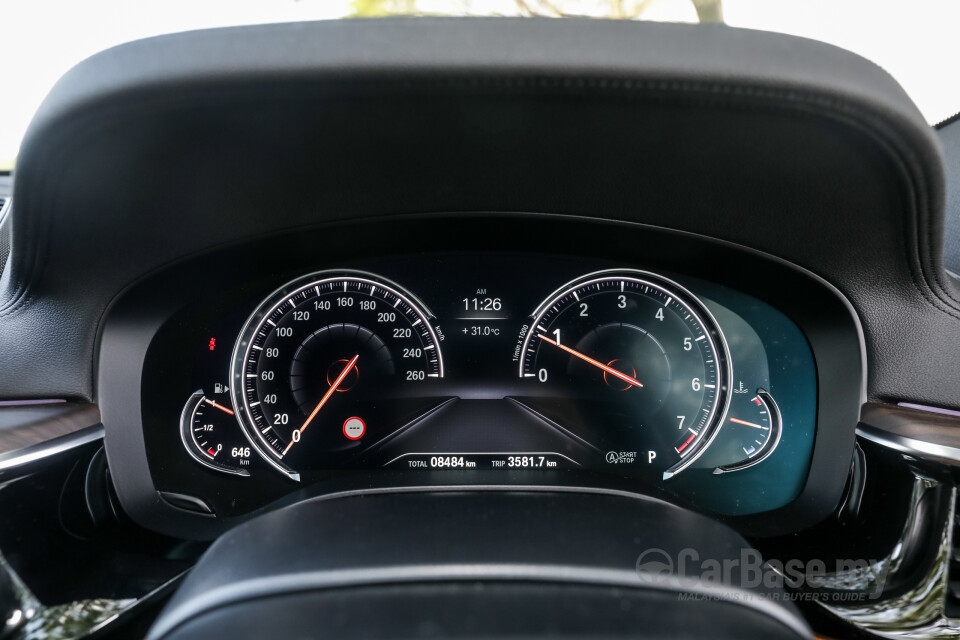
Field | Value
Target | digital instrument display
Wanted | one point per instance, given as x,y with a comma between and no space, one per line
345,369
496,364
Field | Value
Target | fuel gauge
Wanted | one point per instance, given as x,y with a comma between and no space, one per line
212,435
754,424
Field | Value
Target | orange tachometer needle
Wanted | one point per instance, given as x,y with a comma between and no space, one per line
595,363
323,401
218,406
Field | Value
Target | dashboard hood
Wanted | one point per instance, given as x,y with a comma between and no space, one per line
162,149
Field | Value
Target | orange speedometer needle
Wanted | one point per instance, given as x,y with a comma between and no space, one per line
323,401
218,406
595,363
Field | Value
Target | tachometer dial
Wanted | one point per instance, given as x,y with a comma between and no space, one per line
331,364
633,362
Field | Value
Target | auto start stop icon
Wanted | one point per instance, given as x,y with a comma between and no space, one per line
621,457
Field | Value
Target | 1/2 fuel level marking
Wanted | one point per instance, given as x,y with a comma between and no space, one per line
211,434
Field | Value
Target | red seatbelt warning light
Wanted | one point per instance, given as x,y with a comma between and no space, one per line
213,343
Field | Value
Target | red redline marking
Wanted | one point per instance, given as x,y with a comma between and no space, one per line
684,445
757,401
211,452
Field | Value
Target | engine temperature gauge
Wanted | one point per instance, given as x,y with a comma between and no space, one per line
754,424
212,435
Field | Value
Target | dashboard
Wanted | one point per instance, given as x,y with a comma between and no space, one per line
481,366
656,287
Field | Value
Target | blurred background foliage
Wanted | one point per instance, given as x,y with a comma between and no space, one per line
915,41
706,10
670,10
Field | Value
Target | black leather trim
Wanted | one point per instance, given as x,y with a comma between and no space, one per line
6,222
949,134
559,539
157,150
474,609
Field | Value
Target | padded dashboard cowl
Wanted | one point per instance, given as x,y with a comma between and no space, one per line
155,151
476,564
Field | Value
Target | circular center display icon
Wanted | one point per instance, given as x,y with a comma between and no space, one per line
354,428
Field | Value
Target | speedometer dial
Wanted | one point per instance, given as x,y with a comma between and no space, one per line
630,360
330,365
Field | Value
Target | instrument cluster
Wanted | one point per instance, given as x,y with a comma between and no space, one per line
485,365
